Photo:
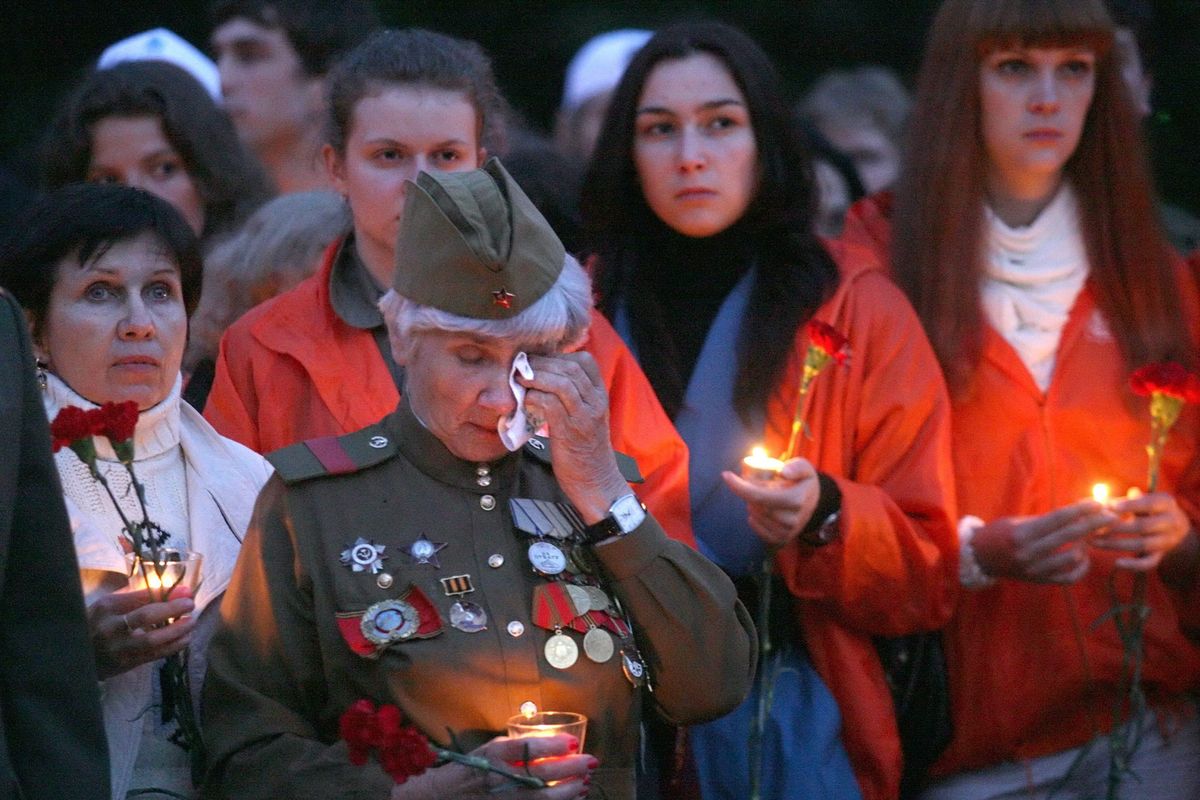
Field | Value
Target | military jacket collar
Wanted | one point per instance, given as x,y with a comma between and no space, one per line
427,453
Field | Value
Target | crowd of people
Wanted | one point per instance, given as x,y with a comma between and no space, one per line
436,423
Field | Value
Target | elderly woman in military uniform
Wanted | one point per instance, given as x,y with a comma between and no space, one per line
447,561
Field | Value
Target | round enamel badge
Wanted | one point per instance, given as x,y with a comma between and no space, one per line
389,621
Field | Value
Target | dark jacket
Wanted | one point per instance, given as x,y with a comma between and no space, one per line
51,736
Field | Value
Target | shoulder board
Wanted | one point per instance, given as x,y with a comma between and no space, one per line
333,455
539,448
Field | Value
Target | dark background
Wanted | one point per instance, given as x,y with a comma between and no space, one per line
44,47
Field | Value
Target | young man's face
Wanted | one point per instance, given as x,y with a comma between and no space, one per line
267,93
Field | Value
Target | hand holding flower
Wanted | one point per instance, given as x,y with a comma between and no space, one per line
128,630
1048,548
779,510
1149,526
553,759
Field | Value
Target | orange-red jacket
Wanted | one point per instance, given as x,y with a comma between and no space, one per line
881,429
1031,671
291,369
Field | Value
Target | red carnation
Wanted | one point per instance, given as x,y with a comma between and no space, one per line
825,337
118,420
407,755
357,728
71,424
1168,378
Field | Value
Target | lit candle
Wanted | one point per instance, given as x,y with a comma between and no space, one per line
758,466
1101,493
548,723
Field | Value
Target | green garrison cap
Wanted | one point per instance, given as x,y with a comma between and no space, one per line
472,244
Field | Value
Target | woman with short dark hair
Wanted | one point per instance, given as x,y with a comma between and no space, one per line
107,276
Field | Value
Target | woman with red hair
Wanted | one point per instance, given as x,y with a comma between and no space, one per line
1024,233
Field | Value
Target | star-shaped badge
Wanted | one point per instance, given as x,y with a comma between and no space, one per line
424,551
364,556
503,297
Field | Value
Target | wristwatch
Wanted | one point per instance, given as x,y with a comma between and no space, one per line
826,532
624,516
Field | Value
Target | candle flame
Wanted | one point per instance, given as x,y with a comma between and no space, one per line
758,452
1101,493
530,712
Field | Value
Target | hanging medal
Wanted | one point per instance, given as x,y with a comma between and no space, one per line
632,664
553,608
561,650
580,598
466,616
547,558
597,599
597,643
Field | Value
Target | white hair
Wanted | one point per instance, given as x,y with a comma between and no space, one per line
559,318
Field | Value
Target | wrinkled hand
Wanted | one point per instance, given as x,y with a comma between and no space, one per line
567,392
128,630
779,509
1150,526
551,758
1049,548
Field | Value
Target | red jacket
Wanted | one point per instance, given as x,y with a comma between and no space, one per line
881,429
291,369
1030,671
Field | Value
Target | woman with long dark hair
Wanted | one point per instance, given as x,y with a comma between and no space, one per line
1025,235
699,205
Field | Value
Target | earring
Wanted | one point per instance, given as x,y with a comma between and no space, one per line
41,373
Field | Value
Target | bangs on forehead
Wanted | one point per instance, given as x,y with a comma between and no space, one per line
1014,24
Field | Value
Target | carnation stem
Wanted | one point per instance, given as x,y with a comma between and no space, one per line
480,763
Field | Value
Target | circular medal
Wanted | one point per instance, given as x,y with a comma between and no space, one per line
561,651
547,558
632,666
579,598
598,645
597,599
389,621
468,617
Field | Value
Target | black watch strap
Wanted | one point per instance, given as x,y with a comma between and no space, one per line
816,533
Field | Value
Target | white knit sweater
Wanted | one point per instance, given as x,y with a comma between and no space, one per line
201,488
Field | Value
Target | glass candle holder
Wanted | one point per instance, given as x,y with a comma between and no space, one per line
170,570
758,466
549,723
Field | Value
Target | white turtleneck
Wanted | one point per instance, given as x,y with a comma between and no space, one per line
158,461
1033,274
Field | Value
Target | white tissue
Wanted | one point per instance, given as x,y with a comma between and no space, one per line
514,429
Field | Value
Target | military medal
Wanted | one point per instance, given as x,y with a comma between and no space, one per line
561,650
579,598
597,599
466,616
364,556
424,551
547,558
633,666
389,621
545,518
598,645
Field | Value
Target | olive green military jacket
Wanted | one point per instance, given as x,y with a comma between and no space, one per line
282,668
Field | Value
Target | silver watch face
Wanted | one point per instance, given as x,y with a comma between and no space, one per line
628,513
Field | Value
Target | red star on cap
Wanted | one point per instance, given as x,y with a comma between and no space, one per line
503,297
